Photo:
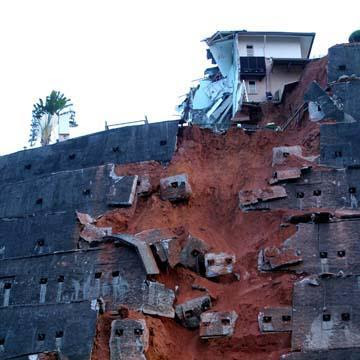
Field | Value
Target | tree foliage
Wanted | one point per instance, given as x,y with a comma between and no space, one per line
44,115
355,36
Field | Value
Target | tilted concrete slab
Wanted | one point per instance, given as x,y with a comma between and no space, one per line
143,250
158,300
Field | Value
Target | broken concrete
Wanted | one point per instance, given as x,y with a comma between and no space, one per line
281,153
90,233
189,312
175,188
216,324
271,259
285,175
176,246
217,264
247,198
143,249
158,300
330,106
275,319
323,188
144,187
129,339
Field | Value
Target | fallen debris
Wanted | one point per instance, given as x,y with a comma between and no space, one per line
217,324
144,185
129,339
143,250
90,233
285,175
273,258
189,312
217,264
281,153
176,246
252,197
122,192
158,300
84,219
175,188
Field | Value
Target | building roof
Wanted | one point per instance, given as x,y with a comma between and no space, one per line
220,36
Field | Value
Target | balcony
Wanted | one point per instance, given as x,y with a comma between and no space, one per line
252,67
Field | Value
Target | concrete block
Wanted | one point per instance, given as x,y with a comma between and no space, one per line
175,188
275,319
281,153
215,324
158,300
189,312
217,264
129,339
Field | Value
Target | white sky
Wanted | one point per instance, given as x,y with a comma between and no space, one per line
118,60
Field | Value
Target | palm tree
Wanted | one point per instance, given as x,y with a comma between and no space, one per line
44,116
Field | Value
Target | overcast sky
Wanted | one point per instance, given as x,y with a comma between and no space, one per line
119,60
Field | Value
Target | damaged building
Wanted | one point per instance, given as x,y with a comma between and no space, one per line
250,67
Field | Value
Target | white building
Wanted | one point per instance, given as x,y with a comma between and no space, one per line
252,66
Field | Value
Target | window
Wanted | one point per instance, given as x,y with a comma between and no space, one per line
249,50
286,318
252,87
267,319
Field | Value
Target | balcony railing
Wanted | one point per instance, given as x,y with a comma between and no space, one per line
252,67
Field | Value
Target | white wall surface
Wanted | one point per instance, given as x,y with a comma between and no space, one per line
223,55
275,47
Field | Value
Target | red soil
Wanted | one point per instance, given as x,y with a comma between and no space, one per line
218,166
